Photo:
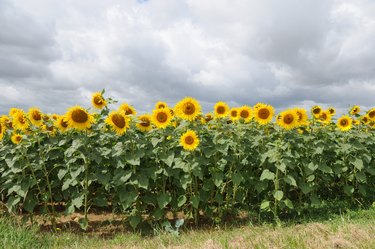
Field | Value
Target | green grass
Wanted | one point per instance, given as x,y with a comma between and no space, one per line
350,229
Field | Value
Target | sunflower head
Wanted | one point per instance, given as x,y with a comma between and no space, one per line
20,121
344,123
355,110
288,119
302,116
356,122
78,118
188,109
316,111
127,109
189,140
144,123
371,113
234,114
208,117
331,111
161,118
55,116
16,138
161,104
221,109
13,111
324,117
2,130
263,113
118,122
61,124
98,100
35,116
246,113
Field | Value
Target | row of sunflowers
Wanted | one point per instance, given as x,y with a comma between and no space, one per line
180,160
77,117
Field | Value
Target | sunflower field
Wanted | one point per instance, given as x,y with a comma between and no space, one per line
178,160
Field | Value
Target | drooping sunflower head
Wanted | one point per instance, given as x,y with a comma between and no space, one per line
16,138
316,111
234,114
161,104
161,118
188,109
302,116
127,109
355,110
118,122
331,111
98,100
356,122
78,118
20,121
144,123
288,119
2,130
189,140
344,123
325,117
365,119
208,117
263,114
35,116
221,109
246,113
61,124
371,114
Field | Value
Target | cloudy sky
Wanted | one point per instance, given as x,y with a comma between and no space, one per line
54,54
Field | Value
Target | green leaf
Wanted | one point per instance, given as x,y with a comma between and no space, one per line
281,167
290,180
143,181
195,201
265,205
78,201
278,195
324,168
218,178
288,203
134,220
237,178
358,163
181,200
62,173
266,174
167,158
133,159
349,190
163,200
311,166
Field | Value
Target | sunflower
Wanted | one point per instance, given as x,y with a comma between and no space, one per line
118,122
331,111
16,138
98,101
77,117
6,121
344,123
288,119
13,111
356,122
316,111
234,114
161,117
189,140
160,105
144,123
20,121
258,105
263,114
188,109
221,109
208,117
365,119
55,116
371,114
2,130
355,110
35,116
324,117
246,113
127,109
302,116
61,123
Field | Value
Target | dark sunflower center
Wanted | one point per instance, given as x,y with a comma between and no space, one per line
161,106
18,138
128,111
21,119
189,140
145,122
371,114
162,117
344,122
365,119
208,118
323,117
220,109
63,123
316,111
1,128
49,128
233,113
118,120
37,116
98,100
288,118
189,108
244,114
331,111
79,116
263,113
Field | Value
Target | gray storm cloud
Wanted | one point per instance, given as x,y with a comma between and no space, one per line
54,54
